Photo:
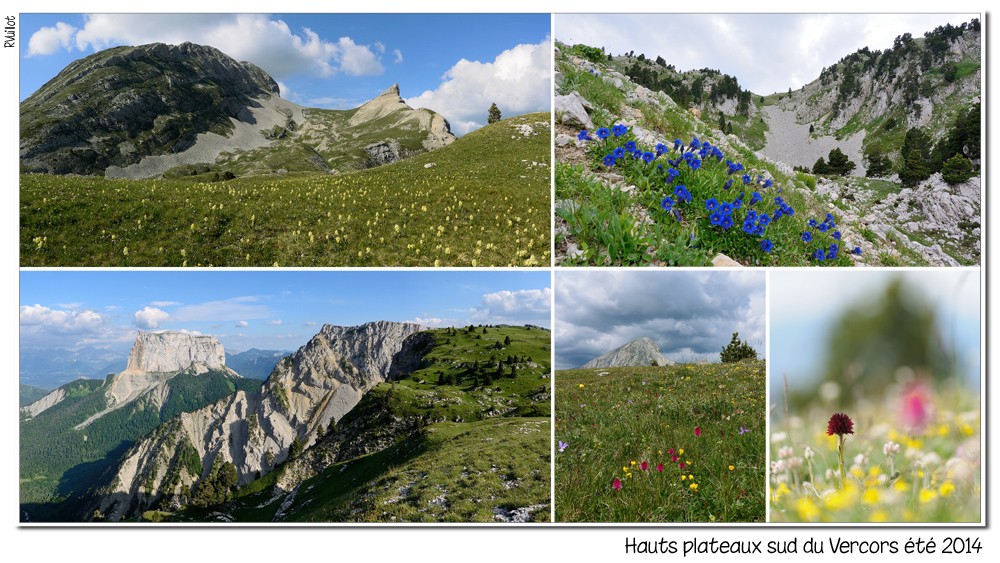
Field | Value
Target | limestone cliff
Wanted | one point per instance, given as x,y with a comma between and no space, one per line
307,390
640,352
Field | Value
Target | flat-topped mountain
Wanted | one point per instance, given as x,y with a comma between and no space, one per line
639,352
177,110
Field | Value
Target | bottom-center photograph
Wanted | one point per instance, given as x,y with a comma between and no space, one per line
660,396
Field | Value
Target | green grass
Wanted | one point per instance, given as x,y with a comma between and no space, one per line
452,472
613,423
751,131
483,203
631,227
935,476
603,95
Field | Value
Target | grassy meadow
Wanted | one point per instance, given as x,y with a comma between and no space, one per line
484,200
924,466
682,443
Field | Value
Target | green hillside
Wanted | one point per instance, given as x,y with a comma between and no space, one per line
482,200
28,394
60,463
444,443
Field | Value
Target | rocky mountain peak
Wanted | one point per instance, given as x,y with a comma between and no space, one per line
162,352
639,352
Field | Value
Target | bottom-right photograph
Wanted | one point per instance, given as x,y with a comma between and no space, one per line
875,396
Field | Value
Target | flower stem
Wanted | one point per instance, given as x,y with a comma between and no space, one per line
840,453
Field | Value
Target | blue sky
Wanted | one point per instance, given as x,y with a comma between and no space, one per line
455,64
767,52
804,305
264,309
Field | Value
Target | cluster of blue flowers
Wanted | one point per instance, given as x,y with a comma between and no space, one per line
829,225
720,213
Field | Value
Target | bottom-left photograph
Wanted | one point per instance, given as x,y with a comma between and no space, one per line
285,396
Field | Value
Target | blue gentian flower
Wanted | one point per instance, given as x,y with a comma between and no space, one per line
728,184
716,218
727,222
695,143
856,251
583,135
756,198
766,245
836,235
746,179
819,254
726,207
694,164
667,204
609,160
672,174
806,236
661,148
619,152
764,220
648,157
619,130
711,203
678,144
603,133
630,146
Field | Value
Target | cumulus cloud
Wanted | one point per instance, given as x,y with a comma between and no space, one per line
48,40
275,322
690,315
43,326
397,56
59,321
269,43
164,303
519,80
241,324
526,306
150,318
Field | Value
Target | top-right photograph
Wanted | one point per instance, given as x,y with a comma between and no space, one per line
768,140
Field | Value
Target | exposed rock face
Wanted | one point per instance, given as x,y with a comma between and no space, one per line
640,352
118,105
45,403
157,352
383,152
317,384
152,110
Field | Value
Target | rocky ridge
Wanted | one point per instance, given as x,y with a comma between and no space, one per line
153,110
307,391
639,352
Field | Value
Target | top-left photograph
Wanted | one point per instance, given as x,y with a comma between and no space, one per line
362,140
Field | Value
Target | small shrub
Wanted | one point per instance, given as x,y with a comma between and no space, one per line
737,350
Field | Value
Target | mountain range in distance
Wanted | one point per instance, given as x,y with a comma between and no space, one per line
179,435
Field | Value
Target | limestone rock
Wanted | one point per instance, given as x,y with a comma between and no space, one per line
640,352
570,111
307,390
723,261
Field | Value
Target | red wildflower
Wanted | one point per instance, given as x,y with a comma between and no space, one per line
617,484
659,467
670,451
644,466
681,465
697,431
839,424
674,458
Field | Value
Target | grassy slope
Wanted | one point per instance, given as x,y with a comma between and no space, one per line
639,414
483,448
28,394
483,202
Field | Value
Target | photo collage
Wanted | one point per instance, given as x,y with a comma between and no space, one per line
527,270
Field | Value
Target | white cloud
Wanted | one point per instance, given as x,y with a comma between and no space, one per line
150,317
241,324
275,322
398,56
235,309
431,322
59,321
164,303
519,80
48,40
269,43
531,306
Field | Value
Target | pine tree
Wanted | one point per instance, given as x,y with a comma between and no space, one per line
737,350
494,114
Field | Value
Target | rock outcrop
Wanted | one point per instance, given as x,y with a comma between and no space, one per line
177,110
640,352
45,403
158,352
307,391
